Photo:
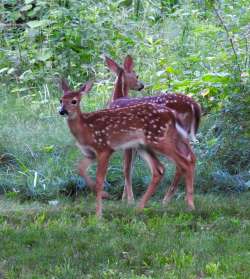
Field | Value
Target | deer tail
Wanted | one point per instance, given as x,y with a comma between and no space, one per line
196,116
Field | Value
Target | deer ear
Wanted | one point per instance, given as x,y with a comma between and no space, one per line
85,88
63,84
128,64
112,65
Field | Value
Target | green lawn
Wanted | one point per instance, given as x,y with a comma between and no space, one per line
66,240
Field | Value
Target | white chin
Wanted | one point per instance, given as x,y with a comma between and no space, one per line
64,115
72,115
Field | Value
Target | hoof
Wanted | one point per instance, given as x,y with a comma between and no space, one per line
131,201
191,207
140,206
165,201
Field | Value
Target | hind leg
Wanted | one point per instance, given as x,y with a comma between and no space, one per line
188,157
127,168
173,187
189,181
157,171
181,153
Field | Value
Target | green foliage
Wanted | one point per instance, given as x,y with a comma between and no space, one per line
198,47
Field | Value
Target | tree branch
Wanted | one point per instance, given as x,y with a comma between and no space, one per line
229,38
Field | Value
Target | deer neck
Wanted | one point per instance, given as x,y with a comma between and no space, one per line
78,127
121,88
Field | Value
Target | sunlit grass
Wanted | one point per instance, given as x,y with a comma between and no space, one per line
66,241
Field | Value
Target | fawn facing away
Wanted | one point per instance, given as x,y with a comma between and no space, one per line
99,134
188,113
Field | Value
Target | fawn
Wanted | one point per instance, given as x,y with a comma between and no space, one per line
99,134
187,111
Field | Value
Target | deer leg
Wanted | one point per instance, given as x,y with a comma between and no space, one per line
188,161
82,169
188,167
127,168
173,187
184,158
157,171
189,180
101,171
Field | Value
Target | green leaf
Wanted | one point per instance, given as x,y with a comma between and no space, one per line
160,73
185,82
211,142
48,148
171,70
150,40
44,56
26,8
38,23
126,3
27,75
11,71
3,70
16,15
22,89
205,92
216,77
22,166
34,12
85,57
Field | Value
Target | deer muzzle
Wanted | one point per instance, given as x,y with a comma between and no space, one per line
141,87
63,111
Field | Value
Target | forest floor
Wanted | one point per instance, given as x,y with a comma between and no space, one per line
65,240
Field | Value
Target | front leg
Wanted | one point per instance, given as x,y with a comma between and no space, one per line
102,165
83,168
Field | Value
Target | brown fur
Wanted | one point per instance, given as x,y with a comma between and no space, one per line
187,113
100,133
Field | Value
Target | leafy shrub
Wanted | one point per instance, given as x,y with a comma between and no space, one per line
197,47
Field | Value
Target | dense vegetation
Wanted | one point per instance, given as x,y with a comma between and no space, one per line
200,48
196,47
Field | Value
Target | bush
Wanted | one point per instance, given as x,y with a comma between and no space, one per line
199,48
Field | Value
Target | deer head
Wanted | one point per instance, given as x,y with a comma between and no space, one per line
128,76
70,101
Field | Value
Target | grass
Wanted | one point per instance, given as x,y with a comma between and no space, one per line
177,51
66,241
38,156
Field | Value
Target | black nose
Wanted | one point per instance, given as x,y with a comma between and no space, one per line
141,87
62,111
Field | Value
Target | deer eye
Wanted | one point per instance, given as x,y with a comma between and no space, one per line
73,102
60,101
137,76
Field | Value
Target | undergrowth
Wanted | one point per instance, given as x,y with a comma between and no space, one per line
195,48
